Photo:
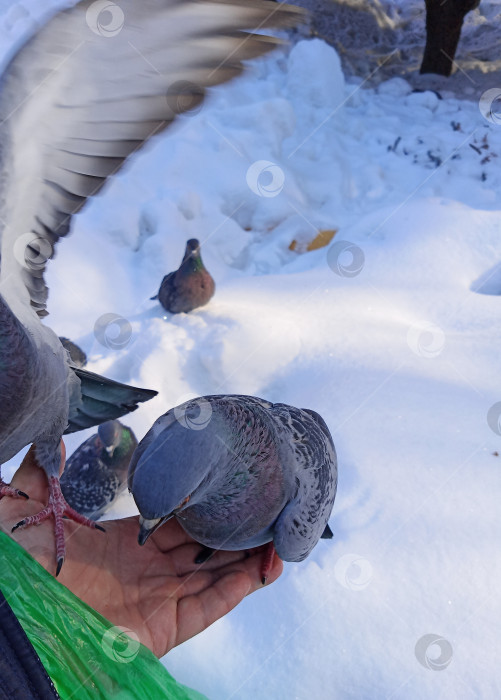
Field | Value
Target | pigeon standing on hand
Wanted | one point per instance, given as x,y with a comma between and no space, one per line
75,103
238,472
188,287
96,473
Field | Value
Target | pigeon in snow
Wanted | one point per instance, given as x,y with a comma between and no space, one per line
188,287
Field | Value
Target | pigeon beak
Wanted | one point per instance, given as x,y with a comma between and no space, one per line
148,527
110,450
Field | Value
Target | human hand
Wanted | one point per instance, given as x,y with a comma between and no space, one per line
155,590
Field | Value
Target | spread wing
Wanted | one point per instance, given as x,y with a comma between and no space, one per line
89,90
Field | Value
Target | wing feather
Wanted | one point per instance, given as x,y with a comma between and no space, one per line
85,93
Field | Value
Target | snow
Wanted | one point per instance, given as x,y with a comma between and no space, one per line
391,333
383,39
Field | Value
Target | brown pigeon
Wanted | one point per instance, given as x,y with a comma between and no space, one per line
188,287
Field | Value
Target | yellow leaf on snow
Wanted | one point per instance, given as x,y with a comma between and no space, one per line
322,239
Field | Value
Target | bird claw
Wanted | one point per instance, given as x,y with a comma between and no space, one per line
204,555
19,524
34,519
59,509
6,490
269,555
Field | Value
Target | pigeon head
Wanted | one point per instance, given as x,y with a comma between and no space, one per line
192,260
174,466
192,248
110,434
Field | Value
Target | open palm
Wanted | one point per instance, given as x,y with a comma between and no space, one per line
156,590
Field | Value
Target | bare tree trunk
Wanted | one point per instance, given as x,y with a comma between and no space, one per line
444,19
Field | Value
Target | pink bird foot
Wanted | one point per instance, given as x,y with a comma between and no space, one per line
58,508
6,490
269,554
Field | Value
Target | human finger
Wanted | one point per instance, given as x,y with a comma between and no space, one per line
230,585
198,611
183,559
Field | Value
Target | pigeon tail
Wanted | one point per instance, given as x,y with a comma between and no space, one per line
103,399
327,533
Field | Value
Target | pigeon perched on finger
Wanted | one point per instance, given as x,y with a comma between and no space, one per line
96,473
73,107
238,472
188,287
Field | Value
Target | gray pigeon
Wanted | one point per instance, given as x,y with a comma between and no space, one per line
238,472
96,473
93,85
77,355
188,287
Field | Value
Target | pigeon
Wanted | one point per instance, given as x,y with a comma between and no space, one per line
188,287
93,85
238,472
96,473
77,355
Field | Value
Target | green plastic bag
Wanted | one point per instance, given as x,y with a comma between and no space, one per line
84,654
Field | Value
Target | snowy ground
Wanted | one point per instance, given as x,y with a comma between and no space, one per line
391,333
385,38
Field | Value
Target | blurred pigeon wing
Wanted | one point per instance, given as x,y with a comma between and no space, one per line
87,91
